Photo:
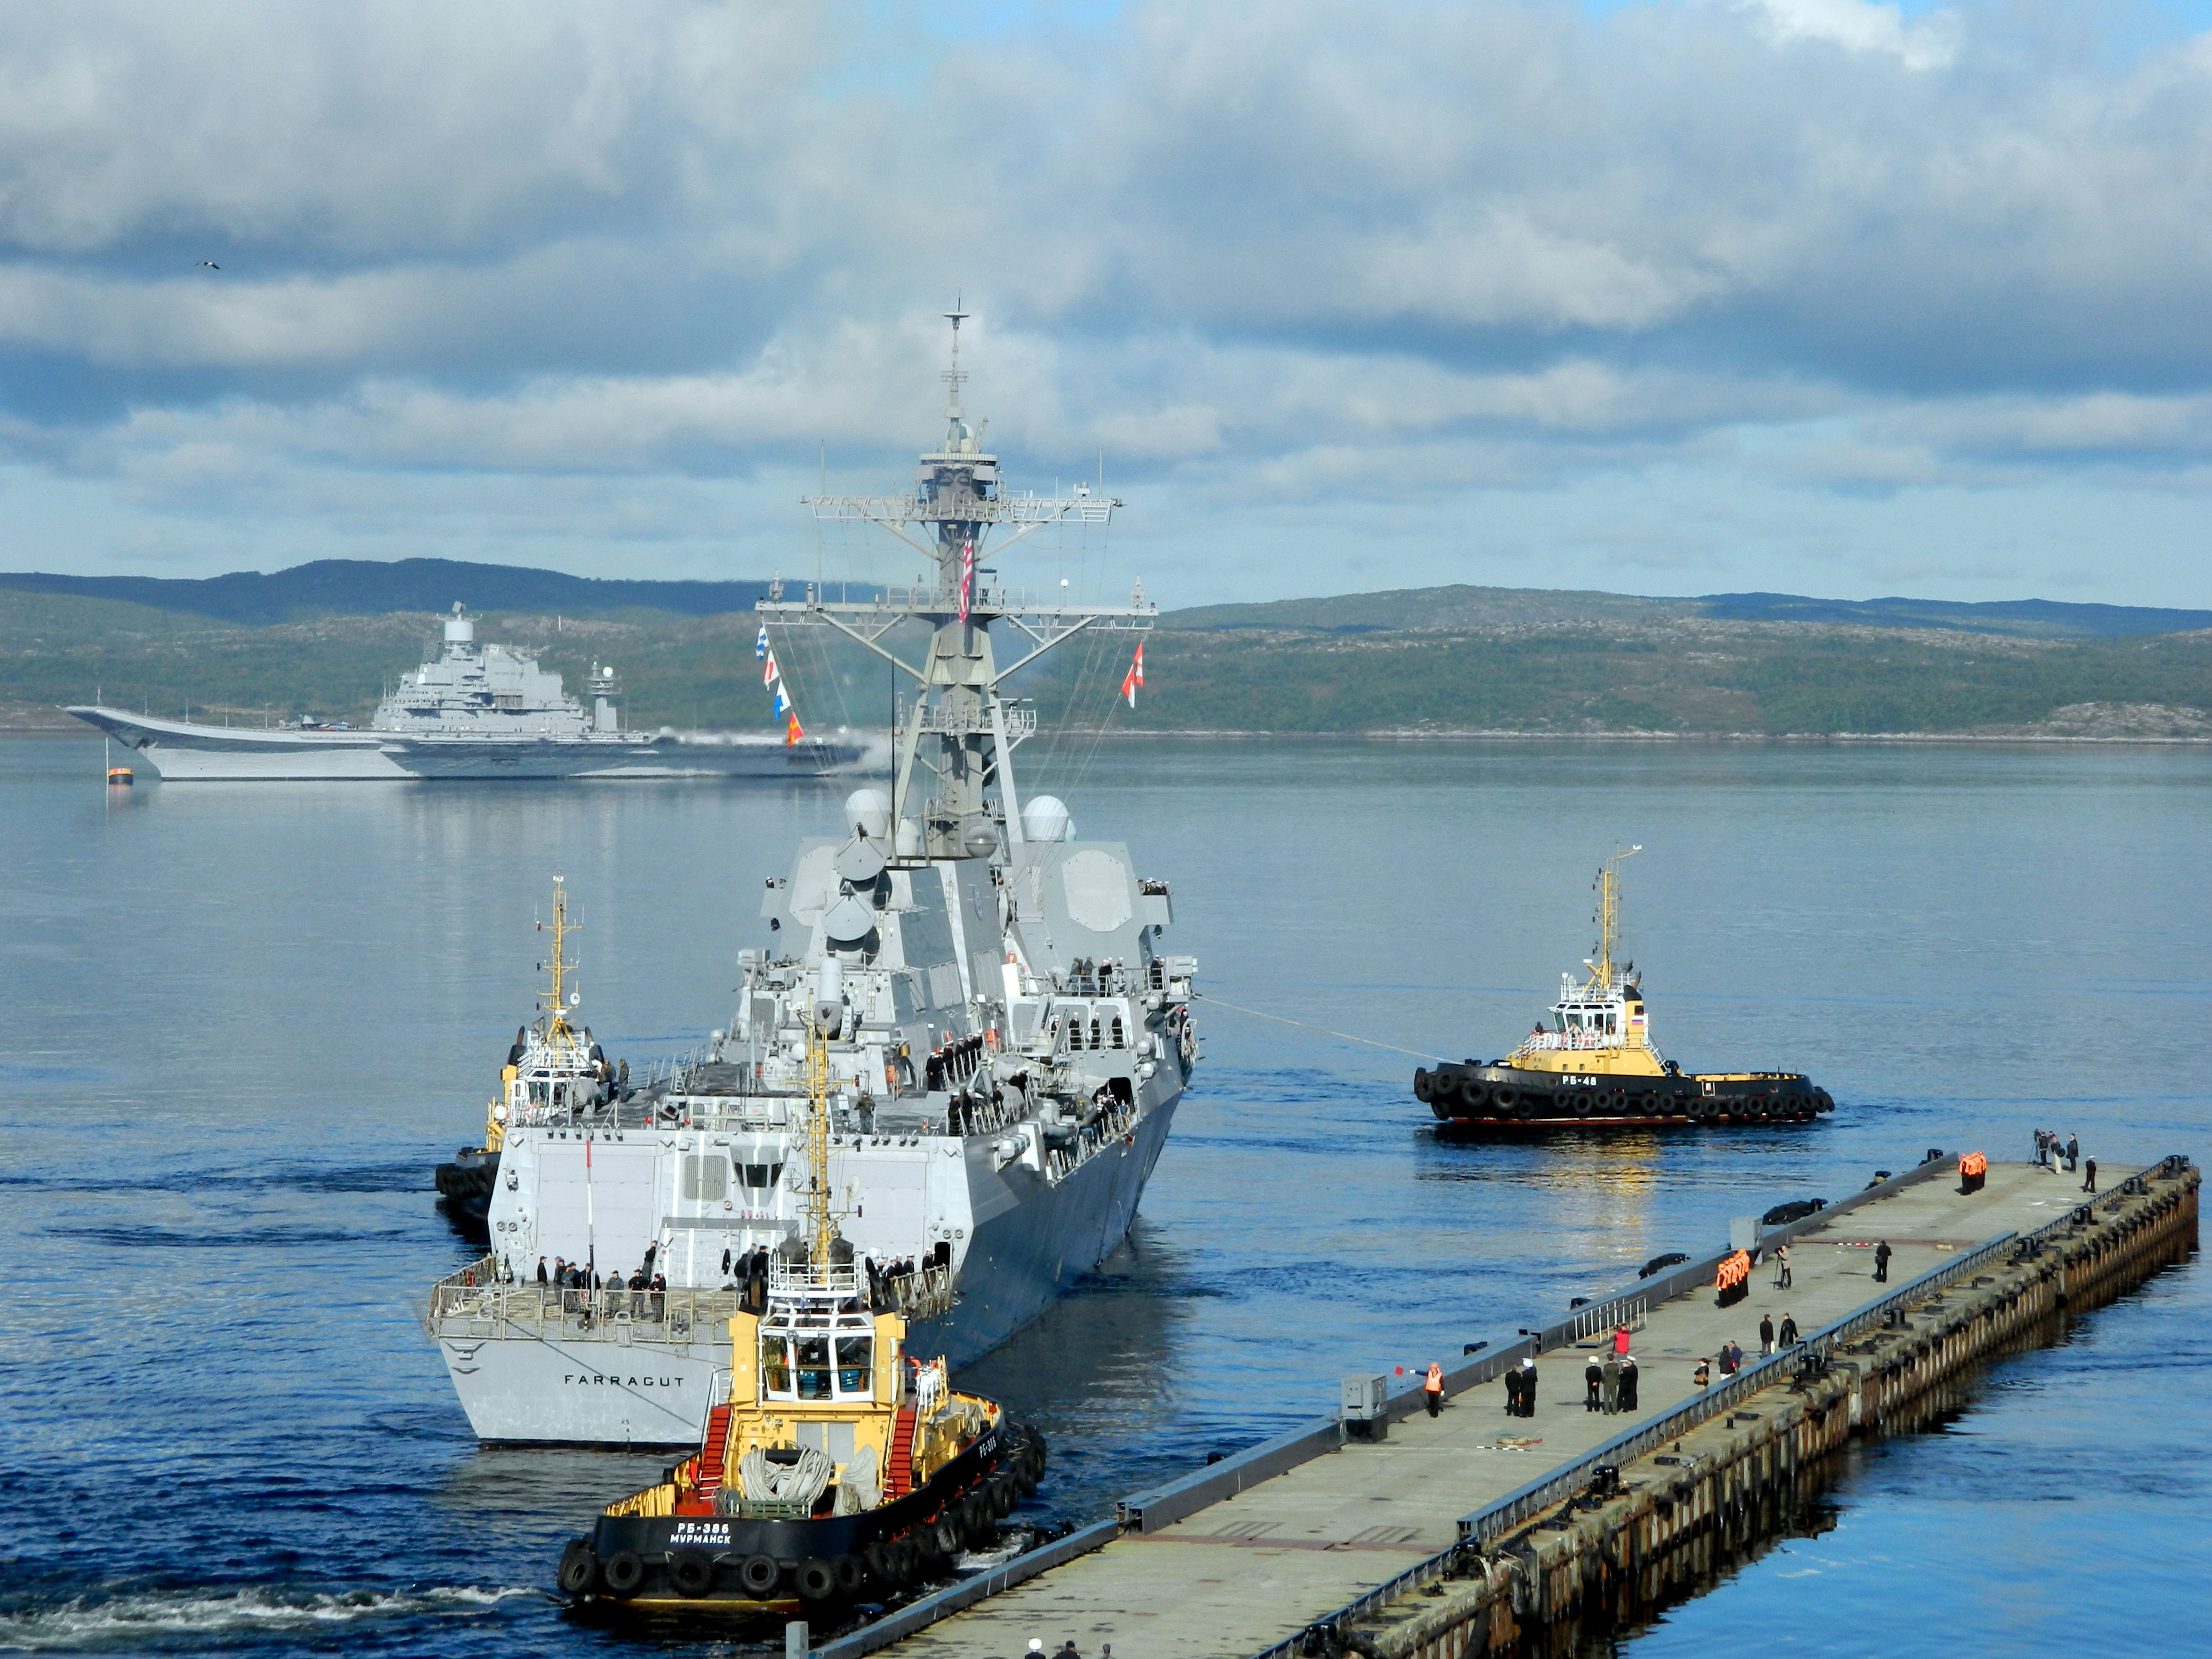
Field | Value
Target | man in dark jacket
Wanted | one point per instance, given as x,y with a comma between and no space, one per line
2090,1185
1788,1333
1628,1382
1593,1375
1766,1335
1881,1263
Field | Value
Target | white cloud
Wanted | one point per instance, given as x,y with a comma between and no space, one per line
1925,43
1403,255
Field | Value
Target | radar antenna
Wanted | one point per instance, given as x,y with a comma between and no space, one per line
971,807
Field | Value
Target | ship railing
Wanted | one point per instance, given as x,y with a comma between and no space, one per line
1115,1122
925,1293
620,1316
1574,1040
838,1280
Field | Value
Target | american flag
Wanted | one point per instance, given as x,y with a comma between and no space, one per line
967,576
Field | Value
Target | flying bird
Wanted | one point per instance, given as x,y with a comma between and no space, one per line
211,265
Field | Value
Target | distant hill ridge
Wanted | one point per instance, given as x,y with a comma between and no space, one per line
1456,608
347,587
353,587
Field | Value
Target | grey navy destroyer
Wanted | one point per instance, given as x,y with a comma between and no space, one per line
477,709
1595,1066
1006,1043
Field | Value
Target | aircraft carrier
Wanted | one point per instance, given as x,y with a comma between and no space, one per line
477,709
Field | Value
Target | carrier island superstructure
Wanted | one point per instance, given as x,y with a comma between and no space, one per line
1011,1041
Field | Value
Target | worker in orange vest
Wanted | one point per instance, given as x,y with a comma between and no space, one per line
1434,1387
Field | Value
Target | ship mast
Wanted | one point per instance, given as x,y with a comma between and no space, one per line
555,1002
953,796
821,1225
1608,915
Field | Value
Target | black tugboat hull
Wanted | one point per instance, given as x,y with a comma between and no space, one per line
465,1186
1475,1096
662,1549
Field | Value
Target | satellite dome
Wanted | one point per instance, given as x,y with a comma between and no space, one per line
849,920
869,812
1045,818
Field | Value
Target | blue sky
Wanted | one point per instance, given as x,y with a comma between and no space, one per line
1828,296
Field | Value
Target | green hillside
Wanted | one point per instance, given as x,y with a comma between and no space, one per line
1440,660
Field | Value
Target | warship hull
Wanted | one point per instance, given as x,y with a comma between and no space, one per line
1521,1097
639,1383
182,752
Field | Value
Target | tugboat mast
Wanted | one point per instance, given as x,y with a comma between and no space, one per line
961,800
1608,916
555,1002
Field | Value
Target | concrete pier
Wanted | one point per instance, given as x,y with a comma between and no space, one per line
1473,1532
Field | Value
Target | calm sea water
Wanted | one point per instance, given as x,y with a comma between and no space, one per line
242,1023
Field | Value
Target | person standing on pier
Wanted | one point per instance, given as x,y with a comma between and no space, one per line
1881,1263
1528,1387
1703,1376
1593,1379
1433,1389
1628,1382
1788,1334
1620,1338
1781,1267
2090,1185
1766,1335
1609,1385
2073,1153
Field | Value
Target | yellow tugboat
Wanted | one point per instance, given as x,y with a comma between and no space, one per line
838,1466
1595,1064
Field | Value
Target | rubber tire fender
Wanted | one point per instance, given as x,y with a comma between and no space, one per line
818,1579
1005,1496
1504,1098
978,1526
579,1567
758,1574
1472,1095
1422,1091
947,1534
850,1572
625,1573
691,1572
1585,1103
